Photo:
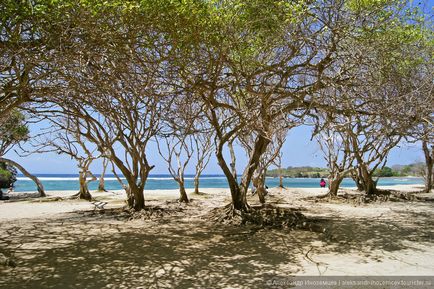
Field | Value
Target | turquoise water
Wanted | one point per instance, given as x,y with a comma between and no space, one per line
157,182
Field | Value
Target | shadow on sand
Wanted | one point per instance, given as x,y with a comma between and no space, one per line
102,250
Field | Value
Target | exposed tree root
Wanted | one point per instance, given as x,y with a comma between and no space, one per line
148,213
153,213
226,215
343,197
267,216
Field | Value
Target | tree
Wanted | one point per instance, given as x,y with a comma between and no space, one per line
277,135
203,146
185,135
7,176
29,33
336,147
101,183
66,137
421,128
13,131
115,84
248,73
384,172
376,103
278,164
428,151
178,155
370,143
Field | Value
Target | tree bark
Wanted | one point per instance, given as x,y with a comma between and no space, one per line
84,193
429,162
130,197
261,144
239,201
233,159
101,184
27,174
138,197
357,179
196,184
369,185
259,184
280,178
334,184
183,194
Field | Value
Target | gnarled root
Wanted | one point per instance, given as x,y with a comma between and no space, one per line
266,216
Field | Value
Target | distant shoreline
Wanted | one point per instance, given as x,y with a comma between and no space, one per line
69,182
190,176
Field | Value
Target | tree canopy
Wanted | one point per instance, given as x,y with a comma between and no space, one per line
251,70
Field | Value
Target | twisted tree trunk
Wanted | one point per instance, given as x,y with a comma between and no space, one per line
369,185
27,174
429,162
84,193
259,183
356,176
239,201
261,144
334,184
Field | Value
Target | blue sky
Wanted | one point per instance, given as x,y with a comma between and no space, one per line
298,150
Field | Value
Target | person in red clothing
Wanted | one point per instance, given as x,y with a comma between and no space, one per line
322,183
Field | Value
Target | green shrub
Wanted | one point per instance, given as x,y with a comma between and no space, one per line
7,176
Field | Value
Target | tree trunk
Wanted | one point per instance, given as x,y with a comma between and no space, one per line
130,197
260,189
27,174
334,184
233,159
138,196
429,162
369,185
183,198
136,184
261,144
281,179
101,185
196,184
258,181
84,193
358,180
239,201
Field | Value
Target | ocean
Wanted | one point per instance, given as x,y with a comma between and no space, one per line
67,182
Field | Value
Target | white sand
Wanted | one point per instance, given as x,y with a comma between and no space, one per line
419,260
401,263
42,208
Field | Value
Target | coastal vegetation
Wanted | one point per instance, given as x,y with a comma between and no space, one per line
14,131
111,77
299,172
120,81
410,170
7,176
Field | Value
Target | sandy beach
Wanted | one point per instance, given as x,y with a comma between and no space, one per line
57,241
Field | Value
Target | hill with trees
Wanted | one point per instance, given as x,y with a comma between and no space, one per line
410,170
